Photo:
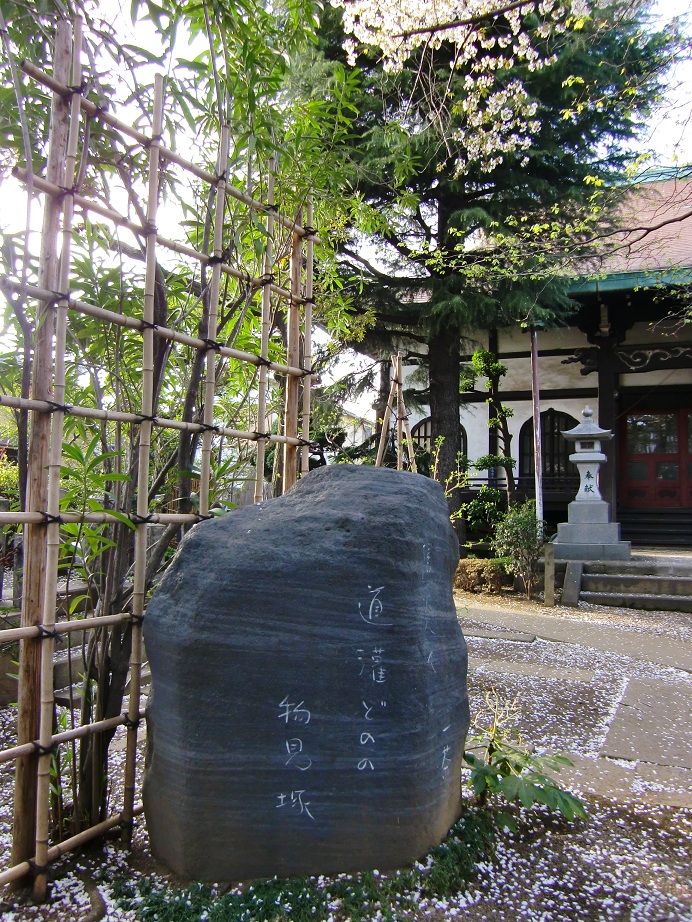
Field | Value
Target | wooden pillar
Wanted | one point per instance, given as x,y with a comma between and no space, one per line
608,383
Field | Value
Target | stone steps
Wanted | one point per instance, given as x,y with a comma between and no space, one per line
651,583
639,600
629,584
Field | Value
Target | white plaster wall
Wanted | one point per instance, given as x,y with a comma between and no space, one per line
474,419
679,376
663,331
553,374
513,339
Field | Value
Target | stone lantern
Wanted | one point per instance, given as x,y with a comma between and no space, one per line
589,534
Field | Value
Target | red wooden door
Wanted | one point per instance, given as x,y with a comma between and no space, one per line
656,459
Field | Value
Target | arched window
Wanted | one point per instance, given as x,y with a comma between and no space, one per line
421,434
555,448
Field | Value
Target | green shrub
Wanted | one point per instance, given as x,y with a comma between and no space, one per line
481,575
503,765
9,478
519,537
484,510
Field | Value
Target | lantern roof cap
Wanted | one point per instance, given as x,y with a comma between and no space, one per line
587,429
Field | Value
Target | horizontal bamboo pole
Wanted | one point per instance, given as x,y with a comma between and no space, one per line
9,635
118,416
98,518
57,851
88,205
98,726
96,112
133,323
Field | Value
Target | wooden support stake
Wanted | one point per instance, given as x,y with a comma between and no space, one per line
400,411
28,720
290,472
266,329
549,574
384,435
307,336
53,500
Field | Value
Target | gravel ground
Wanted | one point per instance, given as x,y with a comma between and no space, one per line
629,862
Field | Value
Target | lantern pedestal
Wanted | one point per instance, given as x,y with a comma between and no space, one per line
589,534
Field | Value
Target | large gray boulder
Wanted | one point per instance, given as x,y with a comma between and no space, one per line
309,705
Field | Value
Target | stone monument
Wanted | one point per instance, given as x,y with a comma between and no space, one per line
588,533
309,709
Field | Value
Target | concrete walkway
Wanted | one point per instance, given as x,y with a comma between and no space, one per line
611,689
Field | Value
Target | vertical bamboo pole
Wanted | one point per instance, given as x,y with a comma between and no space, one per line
293,358
28,722
396,362
210,378
384,435
307,335
266,325
139,587
53,503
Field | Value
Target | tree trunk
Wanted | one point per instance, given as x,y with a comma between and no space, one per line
445,368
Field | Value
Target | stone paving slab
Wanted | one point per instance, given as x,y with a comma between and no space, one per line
636,781
645,752
514,636
570,629
502,666
665,785
595,775
652,724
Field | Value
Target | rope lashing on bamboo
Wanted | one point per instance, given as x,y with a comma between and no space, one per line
49,519
58,407
305,443
57,297
256,436
209,427
212,344
266,279
78,88
148,325
129,723
148,228
140,519
70,190
136,619
144,418
215,260
154,139
37,868
45,633
45,750
307,373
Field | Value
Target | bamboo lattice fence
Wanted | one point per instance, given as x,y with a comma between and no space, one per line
41,624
